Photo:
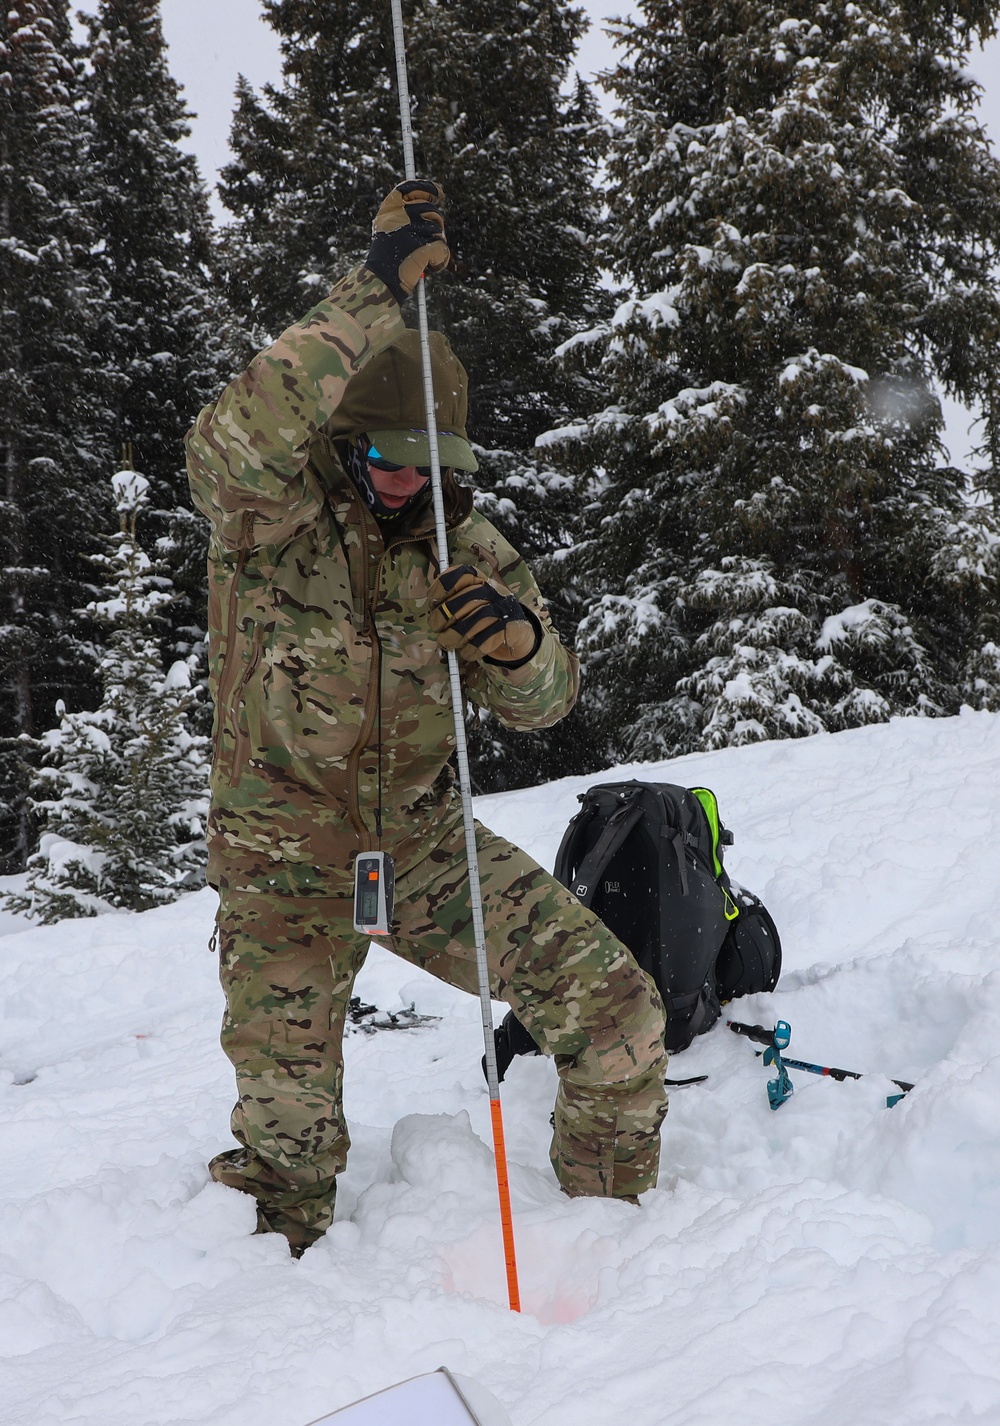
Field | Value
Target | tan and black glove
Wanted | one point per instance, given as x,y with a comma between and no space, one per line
479,621
408,236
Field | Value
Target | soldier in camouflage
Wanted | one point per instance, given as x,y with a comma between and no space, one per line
328,614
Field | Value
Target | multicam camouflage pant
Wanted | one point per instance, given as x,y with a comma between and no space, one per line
288,964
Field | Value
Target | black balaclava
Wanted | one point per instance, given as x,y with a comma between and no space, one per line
357,469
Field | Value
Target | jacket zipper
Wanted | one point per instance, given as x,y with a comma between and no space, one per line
367,723
240,737
371,694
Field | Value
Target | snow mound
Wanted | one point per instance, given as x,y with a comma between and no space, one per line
833,1262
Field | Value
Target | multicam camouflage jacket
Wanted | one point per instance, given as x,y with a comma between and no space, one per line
320,649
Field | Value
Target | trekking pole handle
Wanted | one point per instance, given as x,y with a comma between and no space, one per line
759,1033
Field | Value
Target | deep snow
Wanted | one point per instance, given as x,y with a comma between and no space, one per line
831,1263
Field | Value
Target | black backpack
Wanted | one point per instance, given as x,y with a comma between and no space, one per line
647,859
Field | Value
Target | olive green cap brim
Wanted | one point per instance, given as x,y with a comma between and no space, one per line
413,448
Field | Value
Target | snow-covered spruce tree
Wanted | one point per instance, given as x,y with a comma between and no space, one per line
52,416
808,212
122,795
165,331
516,156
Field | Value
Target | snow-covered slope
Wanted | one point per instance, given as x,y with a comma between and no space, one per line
833,1263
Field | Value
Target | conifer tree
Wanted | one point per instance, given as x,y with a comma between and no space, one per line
808,212
52,392
165,329
122,795
312,159
516,156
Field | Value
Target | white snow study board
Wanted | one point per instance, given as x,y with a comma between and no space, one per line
432,1400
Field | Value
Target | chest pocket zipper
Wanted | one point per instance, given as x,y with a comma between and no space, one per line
241,738
487,557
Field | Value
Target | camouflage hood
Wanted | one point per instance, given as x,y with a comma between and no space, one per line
385,400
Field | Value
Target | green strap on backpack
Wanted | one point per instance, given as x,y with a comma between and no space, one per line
720,838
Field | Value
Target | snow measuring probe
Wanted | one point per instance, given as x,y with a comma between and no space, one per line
458,708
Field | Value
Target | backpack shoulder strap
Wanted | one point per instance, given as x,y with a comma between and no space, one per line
566,855
672,836
583,882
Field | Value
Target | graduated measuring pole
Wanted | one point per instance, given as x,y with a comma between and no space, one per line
458,710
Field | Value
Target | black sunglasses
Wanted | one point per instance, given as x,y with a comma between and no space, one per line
376,459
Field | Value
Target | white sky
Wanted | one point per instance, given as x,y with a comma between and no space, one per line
211,41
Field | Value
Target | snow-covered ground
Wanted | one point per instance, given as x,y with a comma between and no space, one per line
833,1263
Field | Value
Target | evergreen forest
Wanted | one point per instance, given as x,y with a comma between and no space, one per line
708,310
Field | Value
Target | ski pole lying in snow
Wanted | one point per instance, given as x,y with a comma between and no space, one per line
763,1036
458,709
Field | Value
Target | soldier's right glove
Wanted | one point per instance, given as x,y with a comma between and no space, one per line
479,621
408,236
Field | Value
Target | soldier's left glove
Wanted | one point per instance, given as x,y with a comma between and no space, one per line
408,236
479,621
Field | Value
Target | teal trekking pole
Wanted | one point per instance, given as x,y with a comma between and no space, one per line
763,1036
